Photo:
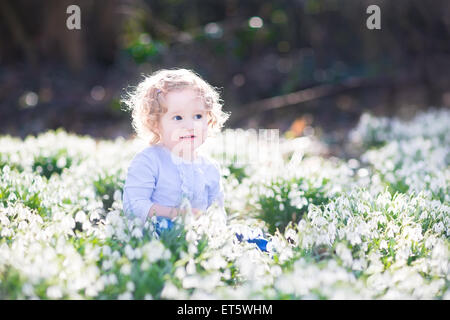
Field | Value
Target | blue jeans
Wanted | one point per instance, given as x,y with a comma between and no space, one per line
163,223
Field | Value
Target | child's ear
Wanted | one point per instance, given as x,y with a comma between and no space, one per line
157,132
209,117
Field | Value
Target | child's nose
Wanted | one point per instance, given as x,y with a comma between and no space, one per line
192,125
189,124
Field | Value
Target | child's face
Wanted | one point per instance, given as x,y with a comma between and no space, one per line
186,115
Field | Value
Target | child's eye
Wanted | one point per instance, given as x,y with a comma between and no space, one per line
198,116
177,118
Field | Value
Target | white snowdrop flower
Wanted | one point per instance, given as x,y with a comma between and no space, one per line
115,255
301,225
383,244
22,225
28,290
145,265
130,286
270,247
190,267
285,285
122,236
12,197
430,241
423,215
191,281
94,216
80,216
323,238
126,269
354,238
154,220
166,254
379,281
91,291
180,272
345,254
4,219
439,227
292,236
107,264
216,262
382,219
359,264
170,291
113,217
125,296
137,233
54,292
276,271
331,230
112,279
154,251
117,195
138,253
129,252
191,236
375,266
109,230
164,224
319,221
192,249
390,232
202,295
307,241
106,250
67,223
440,250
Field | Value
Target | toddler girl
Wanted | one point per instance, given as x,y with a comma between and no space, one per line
175,110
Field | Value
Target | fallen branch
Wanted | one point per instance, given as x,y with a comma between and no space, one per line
309,94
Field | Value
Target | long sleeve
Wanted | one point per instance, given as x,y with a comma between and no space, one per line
216,192
139,186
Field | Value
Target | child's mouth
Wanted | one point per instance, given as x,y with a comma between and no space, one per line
188,137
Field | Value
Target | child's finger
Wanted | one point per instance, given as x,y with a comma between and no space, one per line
180,212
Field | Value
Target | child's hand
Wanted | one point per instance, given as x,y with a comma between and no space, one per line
170,212
196,212
163,211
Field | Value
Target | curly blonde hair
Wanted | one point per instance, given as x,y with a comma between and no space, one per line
147,104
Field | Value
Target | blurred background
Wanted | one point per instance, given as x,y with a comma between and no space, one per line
303,66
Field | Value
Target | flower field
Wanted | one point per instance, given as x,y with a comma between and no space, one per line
375,227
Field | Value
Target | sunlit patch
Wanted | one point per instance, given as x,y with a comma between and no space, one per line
29,99
255,22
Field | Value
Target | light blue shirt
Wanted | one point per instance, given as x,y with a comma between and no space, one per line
155,175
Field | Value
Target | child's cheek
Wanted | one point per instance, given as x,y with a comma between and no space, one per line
205,133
